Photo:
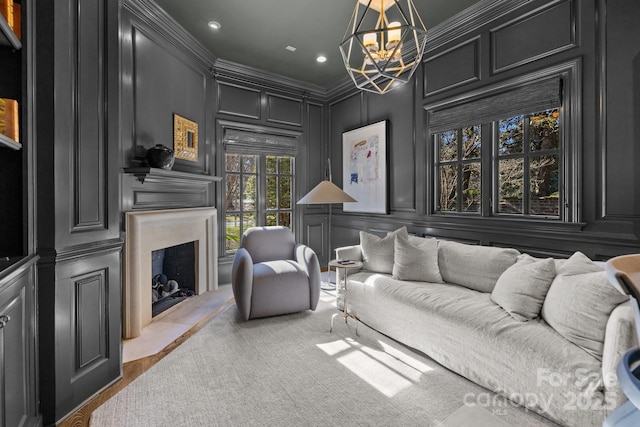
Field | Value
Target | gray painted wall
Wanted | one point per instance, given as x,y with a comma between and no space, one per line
531,38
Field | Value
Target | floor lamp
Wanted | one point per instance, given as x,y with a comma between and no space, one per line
326,193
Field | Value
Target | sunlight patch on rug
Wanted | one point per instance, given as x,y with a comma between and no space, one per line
388,370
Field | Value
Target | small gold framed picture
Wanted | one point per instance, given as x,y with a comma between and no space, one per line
185,138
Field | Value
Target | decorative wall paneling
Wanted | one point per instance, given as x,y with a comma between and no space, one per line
618,66
239,101
284,110
485,54
535,35
311,169
442,77
183,87
18,345
78,201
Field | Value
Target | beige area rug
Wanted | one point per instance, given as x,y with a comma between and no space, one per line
290,371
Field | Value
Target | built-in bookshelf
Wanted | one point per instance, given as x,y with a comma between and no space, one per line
13,165
10,28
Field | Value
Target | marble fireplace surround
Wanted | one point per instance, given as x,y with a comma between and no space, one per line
147,231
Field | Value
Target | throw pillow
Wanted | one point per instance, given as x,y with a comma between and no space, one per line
521,289
579,303
416,259
377,252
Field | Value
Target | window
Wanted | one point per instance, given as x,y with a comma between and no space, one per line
527,164
459,170
525,172
507,151
259,191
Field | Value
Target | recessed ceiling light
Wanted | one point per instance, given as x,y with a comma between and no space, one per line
321,58
291,48
214,25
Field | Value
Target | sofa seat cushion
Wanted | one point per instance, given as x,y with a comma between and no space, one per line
465,331
473,266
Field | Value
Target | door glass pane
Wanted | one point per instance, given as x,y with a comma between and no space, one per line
448,145
249,163
510,135
448,188
510,185
471,142
232,202
471,187
272,192
248,221
544,131
249,193
285,192
232,236
285,219
285,165
272,218
272,164
232,162
544,198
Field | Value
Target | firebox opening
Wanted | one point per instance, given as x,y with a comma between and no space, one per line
173,276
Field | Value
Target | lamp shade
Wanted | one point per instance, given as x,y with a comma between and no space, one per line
325,192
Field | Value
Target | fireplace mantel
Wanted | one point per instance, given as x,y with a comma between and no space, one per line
159,175
147,231
145,188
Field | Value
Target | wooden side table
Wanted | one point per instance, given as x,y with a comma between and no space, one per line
345,272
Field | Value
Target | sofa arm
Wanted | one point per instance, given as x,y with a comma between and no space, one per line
620,337
242,281
307,258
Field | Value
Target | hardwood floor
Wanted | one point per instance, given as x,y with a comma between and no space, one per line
194,313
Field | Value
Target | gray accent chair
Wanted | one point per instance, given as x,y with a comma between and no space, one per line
273,275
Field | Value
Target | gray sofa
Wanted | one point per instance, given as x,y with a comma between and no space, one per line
547,334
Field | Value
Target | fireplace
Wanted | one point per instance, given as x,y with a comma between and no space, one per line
148,231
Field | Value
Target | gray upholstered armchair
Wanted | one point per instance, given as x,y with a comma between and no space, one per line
273,275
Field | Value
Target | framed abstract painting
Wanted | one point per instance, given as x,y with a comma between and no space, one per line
364,168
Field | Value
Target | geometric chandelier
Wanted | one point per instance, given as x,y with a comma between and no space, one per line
383,44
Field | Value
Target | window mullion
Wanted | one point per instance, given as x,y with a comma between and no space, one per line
261,186
460,177
491,170
526,169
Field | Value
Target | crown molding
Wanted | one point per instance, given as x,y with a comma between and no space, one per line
157,19
240,72
469,20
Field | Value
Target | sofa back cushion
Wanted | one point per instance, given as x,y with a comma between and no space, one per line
472,266
377,252
579,303
416,259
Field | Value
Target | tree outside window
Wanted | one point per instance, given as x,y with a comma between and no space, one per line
259,192
525,172
459,170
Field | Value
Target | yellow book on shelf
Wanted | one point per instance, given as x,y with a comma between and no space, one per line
6,9
17,19
9,119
